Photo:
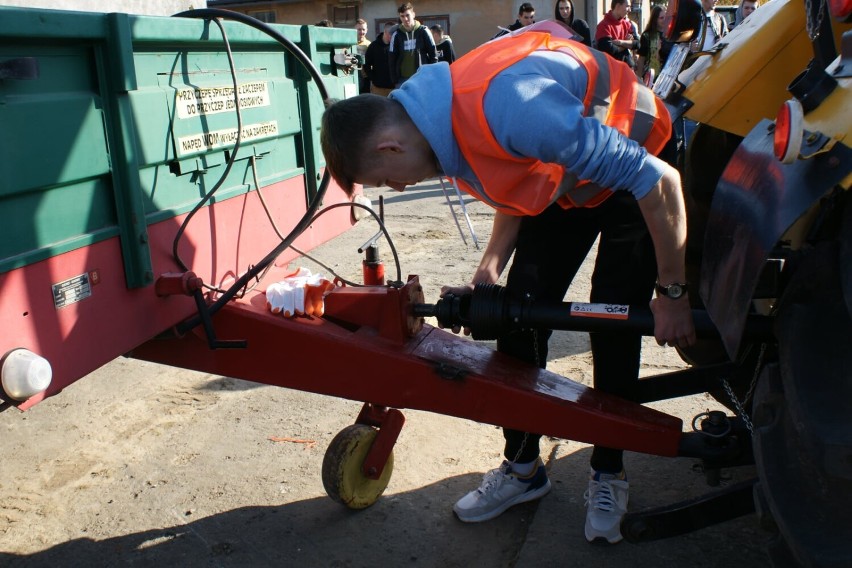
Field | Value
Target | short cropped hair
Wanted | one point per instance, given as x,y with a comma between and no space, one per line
348,128
360,21
615,3
525,7
404,7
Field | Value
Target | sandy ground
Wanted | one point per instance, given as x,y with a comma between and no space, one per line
145,465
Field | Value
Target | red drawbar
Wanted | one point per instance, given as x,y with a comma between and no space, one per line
368,348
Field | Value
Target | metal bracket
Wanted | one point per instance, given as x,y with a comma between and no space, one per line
844,68
346,61
389,421
813,143
207,324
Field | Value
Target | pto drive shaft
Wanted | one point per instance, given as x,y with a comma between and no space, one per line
488,312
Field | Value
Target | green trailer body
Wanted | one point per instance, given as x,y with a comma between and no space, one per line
128,120
113,127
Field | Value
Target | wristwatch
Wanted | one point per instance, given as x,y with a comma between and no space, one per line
674,290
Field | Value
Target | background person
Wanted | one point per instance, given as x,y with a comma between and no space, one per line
653,47
526,17
361,45
745,8
376,64
563,12
411,46
614,34
714,27
443,44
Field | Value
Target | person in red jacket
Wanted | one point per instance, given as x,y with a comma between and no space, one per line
614,35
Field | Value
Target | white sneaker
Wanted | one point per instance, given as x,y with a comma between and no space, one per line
606,502
501,488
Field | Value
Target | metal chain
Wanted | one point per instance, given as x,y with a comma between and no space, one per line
813,30
757,369
740,410
521,449
537,363
741,405
536,354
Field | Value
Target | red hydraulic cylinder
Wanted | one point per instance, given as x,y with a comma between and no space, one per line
373,267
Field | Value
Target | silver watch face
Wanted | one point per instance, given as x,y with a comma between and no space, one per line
674,291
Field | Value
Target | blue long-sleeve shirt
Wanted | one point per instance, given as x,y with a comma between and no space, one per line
534,109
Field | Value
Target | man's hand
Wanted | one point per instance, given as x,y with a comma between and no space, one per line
673,322
457,291
504,233
665,214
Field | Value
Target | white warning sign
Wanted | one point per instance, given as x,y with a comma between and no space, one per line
603,311
212,100
206,141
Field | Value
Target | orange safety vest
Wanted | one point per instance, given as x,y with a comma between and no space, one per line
613,96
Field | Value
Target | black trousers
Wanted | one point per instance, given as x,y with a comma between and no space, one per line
550,249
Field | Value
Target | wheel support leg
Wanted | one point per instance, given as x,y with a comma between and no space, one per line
389,421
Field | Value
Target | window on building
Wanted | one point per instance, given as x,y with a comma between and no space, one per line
344,16
267,16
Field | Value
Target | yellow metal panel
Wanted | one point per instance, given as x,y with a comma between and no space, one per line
747,81
834,116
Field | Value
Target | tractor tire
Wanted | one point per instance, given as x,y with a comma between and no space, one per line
803,419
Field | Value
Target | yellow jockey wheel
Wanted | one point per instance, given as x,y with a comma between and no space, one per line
342,474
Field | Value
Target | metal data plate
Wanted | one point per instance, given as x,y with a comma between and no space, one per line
71,291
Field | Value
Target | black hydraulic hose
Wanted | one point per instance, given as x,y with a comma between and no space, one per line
305,221
231,159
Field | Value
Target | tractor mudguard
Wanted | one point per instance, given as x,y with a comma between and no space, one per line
757,199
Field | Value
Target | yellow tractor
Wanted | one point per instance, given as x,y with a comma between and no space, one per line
767,174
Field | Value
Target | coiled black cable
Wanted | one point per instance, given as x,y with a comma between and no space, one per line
231,159
305,221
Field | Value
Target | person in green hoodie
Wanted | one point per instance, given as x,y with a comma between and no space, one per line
411,46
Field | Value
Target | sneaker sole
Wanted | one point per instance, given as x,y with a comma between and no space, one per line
603,539
522,498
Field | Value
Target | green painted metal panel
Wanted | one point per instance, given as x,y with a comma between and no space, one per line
320,44
53,156
51,140
131,120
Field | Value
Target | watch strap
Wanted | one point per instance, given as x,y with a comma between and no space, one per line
667,292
